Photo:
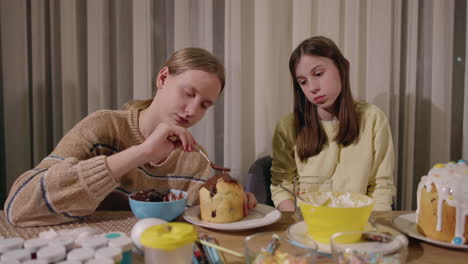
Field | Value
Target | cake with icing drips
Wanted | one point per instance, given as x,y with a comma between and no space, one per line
221,199
443,203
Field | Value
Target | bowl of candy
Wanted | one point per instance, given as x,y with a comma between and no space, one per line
369,247
327,213
163,204
268,247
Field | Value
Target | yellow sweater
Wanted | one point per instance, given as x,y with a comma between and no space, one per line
365,167
74,180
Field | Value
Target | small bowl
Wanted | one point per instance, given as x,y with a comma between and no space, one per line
324,219
167,211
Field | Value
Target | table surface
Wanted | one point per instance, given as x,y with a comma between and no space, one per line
123,221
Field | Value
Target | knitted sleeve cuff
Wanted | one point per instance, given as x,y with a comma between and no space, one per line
279,195
95,175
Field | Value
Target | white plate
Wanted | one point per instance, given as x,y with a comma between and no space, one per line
298,233
261,215
406,223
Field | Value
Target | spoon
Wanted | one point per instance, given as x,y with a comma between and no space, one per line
297,212
291,192
213,166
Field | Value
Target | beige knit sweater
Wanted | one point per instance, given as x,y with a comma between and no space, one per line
73,181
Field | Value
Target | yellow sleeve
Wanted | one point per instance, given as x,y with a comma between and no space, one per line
381,184
283,169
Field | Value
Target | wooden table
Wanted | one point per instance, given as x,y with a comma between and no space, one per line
419,252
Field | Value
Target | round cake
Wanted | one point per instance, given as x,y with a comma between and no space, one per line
222,200
443,203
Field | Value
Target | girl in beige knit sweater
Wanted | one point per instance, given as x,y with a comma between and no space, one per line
110,154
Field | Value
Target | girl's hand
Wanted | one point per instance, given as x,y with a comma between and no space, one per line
249,202
165,139
286,205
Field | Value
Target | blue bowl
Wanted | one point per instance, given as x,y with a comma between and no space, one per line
164,210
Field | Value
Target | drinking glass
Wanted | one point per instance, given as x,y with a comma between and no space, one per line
268,247
360,247
307,184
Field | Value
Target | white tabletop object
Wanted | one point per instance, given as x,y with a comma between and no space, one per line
35,261
100,261
11,262
69,262
81,254
67,242
52,253
141,226
95,242
123,243
9,244
33,245
114,235
113,253
17,254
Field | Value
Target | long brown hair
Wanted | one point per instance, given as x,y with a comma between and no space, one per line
184,60
310,135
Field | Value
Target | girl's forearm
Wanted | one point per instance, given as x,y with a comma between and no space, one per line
123,162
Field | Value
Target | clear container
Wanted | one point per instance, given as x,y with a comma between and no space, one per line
169,243
368,247
309,184
268,247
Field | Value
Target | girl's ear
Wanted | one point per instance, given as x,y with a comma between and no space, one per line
162,77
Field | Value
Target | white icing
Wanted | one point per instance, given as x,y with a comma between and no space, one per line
450,179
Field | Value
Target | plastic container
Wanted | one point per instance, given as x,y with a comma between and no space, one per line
138,229
125,244
100,261
69,262
169,243
67,242
52,253
81,254
112,253
95,242
9,244
10,262
16,255
34,261
327,213
33,245
114,235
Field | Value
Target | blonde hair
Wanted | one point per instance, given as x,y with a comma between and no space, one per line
184,60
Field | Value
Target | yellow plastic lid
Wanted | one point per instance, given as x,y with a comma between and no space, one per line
168,236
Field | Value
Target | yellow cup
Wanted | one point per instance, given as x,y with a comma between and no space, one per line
327,213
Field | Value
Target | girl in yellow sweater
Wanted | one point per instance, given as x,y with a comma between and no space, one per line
329,134
110,154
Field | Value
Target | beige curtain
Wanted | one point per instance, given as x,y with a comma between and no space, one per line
61,60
